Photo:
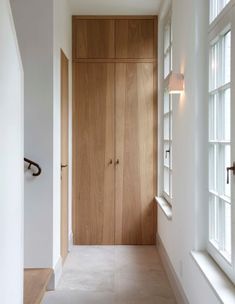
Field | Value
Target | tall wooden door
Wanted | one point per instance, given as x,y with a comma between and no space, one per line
135,153
93,153
64,153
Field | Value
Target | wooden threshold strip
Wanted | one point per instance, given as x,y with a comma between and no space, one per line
35,284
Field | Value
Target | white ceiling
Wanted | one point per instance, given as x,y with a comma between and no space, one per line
115,7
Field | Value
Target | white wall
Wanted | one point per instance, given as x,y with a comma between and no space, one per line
114,7
11,161
43,27
34,27
187,230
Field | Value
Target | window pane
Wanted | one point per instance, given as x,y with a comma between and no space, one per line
227,55
170,184
166,181
212,117
167,64
227,115
170,118
166,102
212,219
212,168
227,241
214,66
166,127
167,37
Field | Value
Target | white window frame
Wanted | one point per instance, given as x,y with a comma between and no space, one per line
167,113
224,22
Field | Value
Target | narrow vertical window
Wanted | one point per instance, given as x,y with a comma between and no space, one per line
167,116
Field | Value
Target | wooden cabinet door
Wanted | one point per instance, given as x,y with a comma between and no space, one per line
135,38
93,38
135,154
93,152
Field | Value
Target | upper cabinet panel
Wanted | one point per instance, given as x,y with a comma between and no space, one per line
93,38
135,38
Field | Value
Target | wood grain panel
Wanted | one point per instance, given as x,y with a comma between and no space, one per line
134,38
135,150
64,153
93,38
93,148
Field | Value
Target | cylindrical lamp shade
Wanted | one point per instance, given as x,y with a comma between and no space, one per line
176,83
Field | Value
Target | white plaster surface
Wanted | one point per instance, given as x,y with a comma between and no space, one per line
11,161
112,7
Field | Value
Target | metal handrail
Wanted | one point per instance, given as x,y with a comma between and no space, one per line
32,163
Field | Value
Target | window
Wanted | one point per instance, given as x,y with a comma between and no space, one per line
167,116
216,6
220,244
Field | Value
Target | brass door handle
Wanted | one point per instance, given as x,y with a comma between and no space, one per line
230,169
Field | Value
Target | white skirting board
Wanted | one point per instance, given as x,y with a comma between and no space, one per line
70,241
171,274
57,272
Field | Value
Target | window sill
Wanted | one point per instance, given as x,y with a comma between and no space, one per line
166,208
222,286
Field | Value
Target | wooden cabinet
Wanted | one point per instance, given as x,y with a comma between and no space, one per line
114,131
93,38
134,38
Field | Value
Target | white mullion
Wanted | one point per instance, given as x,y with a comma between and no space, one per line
227,142
220,88
222,197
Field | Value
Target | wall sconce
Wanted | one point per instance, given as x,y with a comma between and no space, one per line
176,83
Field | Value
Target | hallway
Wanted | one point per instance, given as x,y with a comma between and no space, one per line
112,275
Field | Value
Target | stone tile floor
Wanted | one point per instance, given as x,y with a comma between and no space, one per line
112,275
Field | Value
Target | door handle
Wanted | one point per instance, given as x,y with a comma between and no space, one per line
63,166
166,152
230,169
117,162
110,162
